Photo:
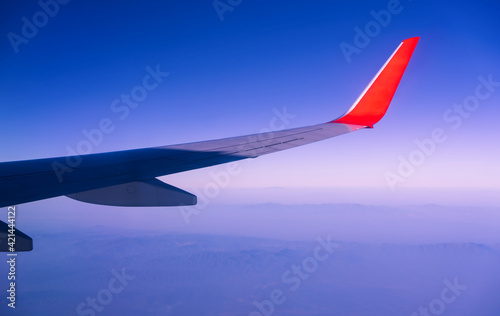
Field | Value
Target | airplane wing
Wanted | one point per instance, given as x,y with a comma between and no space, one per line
128,178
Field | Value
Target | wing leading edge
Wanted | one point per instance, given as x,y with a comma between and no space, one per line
127,178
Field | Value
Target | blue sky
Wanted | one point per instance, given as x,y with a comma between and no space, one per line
228,77
233,73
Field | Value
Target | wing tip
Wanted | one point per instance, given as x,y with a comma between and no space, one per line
373,103
412,39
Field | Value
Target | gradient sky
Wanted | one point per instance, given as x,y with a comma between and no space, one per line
227,77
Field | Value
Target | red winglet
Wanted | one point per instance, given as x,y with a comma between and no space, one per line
372,104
